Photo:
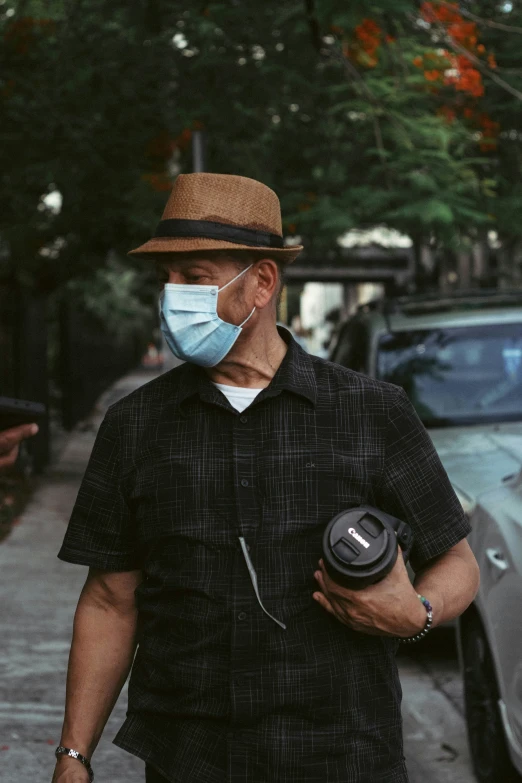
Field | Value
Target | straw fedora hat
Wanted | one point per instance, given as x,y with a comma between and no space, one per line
220,212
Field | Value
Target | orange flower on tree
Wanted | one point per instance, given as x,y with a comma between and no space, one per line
490,131
433,64
463,33
447,13
464,77
489,128
363,48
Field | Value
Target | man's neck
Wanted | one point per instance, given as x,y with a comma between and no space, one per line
253,361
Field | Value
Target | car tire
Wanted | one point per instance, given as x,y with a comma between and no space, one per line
486,738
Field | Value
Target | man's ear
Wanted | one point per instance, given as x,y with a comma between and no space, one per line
268,281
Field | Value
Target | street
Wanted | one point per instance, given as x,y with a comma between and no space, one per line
434,730
38,594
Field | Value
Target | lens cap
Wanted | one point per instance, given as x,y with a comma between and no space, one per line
360,546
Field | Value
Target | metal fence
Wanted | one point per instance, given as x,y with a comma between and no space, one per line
23,357
87,360
90,360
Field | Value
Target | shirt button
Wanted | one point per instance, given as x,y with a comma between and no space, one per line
242,616
244,482
243,419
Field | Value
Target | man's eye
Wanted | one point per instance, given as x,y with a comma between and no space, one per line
194,278
162,273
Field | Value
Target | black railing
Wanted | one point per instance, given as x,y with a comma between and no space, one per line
86,360
91,360
23,357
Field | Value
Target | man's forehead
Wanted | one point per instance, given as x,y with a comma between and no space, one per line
175,261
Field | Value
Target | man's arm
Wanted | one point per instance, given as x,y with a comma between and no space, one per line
391,607
450,582
10,441
102,651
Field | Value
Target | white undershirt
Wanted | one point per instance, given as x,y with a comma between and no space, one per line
240,397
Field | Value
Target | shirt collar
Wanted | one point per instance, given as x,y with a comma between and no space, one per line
295,374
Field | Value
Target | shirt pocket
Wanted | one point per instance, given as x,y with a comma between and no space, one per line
307,491
353,479
176,498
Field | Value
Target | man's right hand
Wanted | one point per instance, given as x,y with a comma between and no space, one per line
10,441
69,770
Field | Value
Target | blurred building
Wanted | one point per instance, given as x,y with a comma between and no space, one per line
323,303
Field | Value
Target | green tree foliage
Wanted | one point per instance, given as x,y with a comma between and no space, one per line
349,111
80,101
501,30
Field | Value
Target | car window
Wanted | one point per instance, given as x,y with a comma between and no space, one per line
456,376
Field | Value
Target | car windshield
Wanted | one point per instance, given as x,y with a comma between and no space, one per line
464,375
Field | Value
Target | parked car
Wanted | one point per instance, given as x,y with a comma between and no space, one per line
459,359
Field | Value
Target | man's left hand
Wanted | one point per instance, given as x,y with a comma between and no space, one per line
388,608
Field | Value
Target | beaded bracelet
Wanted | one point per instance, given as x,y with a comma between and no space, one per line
74,754
429,623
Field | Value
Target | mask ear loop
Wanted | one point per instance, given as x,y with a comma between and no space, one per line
248,317
231,281
235,278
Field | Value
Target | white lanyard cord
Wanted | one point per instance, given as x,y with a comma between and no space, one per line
253,578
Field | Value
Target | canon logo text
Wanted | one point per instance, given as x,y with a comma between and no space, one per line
358,538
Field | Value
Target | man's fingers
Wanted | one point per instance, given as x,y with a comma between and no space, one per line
10,438
319,577
324,572
9,459
24,430
321,597
324,602
329,586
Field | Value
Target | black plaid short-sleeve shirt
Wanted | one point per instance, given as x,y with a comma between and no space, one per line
219,693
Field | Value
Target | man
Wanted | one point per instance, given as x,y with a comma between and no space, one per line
201,517
10,443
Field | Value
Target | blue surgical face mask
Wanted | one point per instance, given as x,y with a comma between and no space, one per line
192,328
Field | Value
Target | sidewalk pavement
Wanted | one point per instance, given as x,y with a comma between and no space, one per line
38,596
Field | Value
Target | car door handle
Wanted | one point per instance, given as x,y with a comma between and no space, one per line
496,558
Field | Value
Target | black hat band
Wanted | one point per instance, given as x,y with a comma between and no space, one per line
208,229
